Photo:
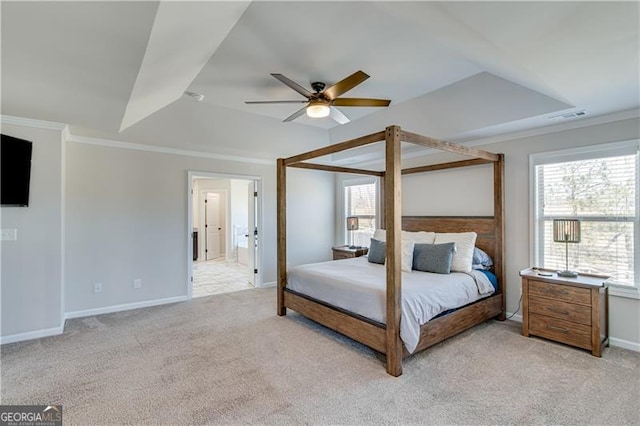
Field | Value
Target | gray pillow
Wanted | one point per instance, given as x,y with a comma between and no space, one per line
481,260
433,257
377,251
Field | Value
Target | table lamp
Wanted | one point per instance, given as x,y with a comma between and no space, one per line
352,225
566,231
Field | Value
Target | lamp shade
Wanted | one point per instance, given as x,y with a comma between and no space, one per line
352,223
566,230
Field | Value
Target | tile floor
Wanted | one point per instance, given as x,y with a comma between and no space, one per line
219,276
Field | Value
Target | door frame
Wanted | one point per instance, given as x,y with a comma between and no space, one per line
193,174
224,198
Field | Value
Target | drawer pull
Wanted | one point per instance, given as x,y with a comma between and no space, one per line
557,311
561,329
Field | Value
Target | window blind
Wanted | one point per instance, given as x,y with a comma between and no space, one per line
602,194
360,201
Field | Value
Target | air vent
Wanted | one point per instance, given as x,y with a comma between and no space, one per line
569,115
197,96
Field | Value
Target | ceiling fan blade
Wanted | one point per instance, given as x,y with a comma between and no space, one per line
275,102
345,85
361,102
295,115
292,84
338,116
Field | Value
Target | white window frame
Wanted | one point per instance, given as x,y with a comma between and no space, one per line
628,147
343,207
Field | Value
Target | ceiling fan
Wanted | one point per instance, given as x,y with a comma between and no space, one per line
323,102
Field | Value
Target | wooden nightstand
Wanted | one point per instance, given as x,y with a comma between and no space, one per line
344,252
568,310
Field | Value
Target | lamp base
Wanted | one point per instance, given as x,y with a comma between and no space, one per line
568,274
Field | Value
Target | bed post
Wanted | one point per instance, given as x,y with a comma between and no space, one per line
498,213
282,233
393,221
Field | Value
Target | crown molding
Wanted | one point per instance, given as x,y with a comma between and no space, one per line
31,122
70,137
164,150
512,136
560,127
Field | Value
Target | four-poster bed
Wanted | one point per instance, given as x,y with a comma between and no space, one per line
385,337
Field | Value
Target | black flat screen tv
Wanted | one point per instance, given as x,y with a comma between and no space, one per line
15,171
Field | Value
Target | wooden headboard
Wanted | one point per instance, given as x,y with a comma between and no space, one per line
485,226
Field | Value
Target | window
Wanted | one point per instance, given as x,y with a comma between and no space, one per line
360,200
598,186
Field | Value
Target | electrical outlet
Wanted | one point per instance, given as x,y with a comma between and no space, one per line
97,288
9,234
137,283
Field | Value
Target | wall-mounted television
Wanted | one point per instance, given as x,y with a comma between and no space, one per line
15,171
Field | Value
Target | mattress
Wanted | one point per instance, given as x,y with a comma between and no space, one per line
359,286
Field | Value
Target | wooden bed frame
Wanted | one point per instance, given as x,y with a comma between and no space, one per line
385,338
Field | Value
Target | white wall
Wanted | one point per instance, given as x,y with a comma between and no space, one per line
127,216
31,289
435,193
310,216
473,195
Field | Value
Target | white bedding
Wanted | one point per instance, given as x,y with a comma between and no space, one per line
360,287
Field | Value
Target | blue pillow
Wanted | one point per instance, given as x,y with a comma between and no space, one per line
433,257
481,260
377,252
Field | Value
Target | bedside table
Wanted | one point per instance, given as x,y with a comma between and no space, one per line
568,310
344,252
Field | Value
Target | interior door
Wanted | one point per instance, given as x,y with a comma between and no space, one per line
252,234
212,225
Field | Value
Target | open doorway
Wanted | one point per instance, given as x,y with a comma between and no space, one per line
223,233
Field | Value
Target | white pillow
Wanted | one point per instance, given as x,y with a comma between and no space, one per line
419,237
407,255
380,235
406,247
463,256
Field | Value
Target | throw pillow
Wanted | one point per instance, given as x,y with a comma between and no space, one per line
481,260
463,256
433,257
377,251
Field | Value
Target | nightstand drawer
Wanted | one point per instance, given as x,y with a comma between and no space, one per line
562,310
560,292
559,330
344,252
337,255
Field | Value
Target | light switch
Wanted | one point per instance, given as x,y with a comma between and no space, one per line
9,234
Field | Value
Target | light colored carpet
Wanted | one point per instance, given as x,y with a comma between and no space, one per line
228,359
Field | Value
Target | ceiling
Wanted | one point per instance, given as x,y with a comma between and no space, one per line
467,69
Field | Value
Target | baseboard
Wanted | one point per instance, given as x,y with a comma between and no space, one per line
268,285
613,341
516,318
125,307
625,344
19,337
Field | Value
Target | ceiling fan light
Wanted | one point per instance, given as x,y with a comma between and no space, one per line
318,109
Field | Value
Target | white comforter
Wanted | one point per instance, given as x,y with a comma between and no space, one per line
360,287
